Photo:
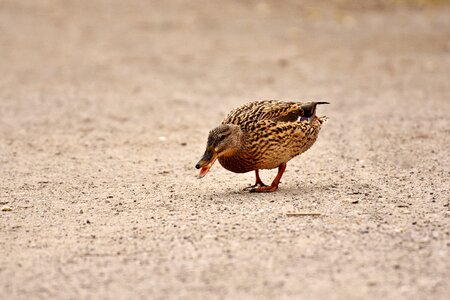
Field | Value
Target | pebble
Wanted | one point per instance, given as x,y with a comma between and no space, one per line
350,200
6,208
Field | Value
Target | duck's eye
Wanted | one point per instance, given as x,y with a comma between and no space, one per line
222,136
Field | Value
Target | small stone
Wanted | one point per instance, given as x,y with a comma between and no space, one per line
6,208
350,200
88,222
81,211
283,62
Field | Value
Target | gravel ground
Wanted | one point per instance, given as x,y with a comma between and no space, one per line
105,107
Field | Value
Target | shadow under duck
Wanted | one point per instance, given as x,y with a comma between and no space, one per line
262,135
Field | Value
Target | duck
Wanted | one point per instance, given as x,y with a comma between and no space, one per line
262,135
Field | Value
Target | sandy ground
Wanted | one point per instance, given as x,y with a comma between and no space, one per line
105,107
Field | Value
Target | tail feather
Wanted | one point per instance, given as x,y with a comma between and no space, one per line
323,119
309,108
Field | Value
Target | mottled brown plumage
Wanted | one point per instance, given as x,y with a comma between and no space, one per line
262,135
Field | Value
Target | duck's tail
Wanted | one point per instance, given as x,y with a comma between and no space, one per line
309,108
322,119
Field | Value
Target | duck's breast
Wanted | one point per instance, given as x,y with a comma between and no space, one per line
238,163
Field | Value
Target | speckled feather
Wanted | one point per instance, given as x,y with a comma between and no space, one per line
273,134
250,113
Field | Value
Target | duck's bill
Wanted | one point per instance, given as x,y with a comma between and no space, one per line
204,170
206,163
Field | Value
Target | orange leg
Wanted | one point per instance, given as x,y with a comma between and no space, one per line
258,179
274,186
258,182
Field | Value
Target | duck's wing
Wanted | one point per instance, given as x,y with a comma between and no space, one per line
274,110
273,143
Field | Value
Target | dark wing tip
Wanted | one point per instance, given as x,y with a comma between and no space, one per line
308,109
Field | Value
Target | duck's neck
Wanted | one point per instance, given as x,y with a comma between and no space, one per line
236,159
238,139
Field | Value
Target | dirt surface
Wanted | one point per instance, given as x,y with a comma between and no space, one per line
105,107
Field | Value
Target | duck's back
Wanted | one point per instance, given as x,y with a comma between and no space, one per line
252,112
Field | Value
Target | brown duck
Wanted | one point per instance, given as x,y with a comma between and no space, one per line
262,135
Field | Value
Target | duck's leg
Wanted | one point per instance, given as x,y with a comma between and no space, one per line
258,182
274,186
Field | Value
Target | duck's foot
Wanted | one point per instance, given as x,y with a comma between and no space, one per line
258,183
255,186
274,186
264,189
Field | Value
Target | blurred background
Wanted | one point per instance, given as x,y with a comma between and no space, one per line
105,107
164,55
141,70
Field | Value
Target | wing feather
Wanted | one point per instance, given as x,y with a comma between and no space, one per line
254,112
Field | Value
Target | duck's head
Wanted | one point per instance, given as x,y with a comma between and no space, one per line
224,140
